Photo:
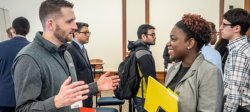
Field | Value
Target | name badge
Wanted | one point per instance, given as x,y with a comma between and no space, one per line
76,104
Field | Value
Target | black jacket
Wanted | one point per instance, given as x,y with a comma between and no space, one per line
144,58
83,68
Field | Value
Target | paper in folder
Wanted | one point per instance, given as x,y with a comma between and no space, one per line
160,98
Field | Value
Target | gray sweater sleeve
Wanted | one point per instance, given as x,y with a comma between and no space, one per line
28,85
93,89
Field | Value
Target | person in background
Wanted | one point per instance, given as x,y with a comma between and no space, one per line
146,38
80,57
210,53
9,50
10,33
234,26
214,33
166,58
43,72
221,47
197,81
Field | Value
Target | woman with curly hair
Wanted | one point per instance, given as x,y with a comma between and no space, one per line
197,81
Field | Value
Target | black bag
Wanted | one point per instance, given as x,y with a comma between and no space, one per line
129,77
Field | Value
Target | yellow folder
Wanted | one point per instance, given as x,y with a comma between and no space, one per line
159,96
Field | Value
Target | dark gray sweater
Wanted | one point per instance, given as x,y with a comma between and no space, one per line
38,73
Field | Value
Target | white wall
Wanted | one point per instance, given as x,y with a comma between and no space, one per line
234,3
165,13
4,23
105,20
135,17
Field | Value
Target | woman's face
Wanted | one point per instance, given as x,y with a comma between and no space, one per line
178,44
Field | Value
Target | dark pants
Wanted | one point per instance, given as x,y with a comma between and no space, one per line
7,109
88,102
139,104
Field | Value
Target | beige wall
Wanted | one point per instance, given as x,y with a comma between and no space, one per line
105,20
235,3
4,23
135,17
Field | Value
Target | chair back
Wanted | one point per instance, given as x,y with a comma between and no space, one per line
98,63
97,66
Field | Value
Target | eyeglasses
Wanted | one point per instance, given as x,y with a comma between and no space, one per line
224,25
215,33
153,34
86,33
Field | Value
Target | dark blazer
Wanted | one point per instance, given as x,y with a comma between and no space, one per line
8,51
83,68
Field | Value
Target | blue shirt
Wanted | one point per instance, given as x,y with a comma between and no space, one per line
212,55
80,45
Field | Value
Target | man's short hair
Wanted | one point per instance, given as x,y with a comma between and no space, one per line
52,8
143,29
239,17
21,26
80,25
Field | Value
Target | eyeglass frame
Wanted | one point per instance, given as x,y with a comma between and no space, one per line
86,33
224,24
217,33
153,34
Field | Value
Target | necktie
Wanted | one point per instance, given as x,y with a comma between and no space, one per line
85,55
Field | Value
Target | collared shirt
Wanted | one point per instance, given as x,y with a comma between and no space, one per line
80,45
20,36
83,50
236,76
212,55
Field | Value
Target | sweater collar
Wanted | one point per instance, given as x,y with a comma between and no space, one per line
48,45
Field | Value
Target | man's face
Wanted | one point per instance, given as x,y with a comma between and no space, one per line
150,37
83,35
65,25
227,31
213,36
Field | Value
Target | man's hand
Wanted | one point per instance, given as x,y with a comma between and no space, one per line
70,93
107,82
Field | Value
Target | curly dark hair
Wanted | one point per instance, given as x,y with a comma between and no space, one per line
195,27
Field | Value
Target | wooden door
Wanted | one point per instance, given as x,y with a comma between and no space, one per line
247,7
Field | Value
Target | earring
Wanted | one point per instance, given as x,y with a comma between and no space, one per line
188,47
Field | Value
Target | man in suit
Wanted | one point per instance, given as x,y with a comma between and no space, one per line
80,57
9,50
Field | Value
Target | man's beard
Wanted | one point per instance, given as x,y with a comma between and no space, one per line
60,34
150,43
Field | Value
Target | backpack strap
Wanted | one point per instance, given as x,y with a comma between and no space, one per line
139,52
141,78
